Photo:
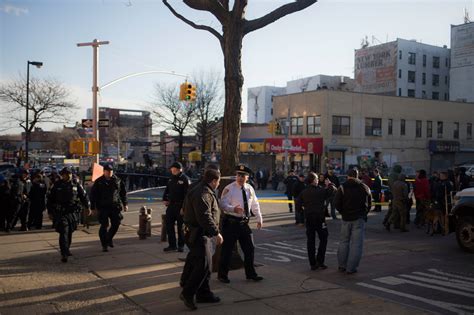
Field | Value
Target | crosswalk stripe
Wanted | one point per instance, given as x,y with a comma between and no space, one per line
438,282
459,282
451,275
287,244
391,280
283,253
284,247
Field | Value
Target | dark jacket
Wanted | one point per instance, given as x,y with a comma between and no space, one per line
66,197
443,193
176,188
298,188
17,190
312,200
377,184
400,191
201,210
353,200
334,179
37,195
108,193
290,181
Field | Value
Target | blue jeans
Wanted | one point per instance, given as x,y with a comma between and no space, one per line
351,244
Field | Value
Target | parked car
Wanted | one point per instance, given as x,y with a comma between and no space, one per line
7,168
461,219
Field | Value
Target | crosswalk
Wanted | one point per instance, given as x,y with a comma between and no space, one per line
440,289
283,251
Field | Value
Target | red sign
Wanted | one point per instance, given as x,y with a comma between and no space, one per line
298,145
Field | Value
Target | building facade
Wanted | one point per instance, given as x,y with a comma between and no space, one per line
462,63
259,103
403,68
338,129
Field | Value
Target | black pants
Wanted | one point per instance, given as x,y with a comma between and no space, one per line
105,214
198,268
15,213
377,199
173,215
290,204
35,217
233,231
65,226
316,225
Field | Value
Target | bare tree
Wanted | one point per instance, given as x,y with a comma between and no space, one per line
119,136
60,142
48,102
209,104
234,28
172,113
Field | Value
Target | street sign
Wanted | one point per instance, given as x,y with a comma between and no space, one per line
286,144
87,123
103,123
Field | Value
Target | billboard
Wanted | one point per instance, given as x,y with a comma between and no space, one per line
376,69
462,45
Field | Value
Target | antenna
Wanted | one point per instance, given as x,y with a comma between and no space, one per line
375,39
467,19
364,42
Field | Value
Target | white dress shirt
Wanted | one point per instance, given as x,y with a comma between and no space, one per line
232,197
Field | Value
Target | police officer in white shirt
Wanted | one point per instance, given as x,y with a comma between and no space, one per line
238,203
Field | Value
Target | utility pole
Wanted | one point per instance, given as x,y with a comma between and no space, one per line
95,88
287,133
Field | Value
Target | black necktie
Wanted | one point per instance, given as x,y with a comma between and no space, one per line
246,204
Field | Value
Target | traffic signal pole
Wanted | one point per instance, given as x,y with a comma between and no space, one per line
95,88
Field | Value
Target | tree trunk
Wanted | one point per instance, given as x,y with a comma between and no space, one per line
234,80
180,147
204,127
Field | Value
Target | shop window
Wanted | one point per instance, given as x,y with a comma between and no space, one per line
429,129
373,127
341,125
314,125
297,125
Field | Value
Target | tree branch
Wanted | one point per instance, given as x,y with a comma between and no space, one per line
211,6
194,25
298,5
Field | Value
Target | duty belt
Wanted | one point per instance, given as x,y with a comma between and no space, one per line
234,219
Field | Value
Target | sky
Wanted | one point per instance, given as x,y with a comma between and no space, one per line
145,36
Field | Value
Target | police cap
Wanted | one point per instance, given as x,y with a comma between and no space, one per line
241,168
177,165
108,167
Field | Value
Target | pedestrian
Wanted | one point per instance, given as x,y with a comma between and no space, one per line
399,204
66,200
173,197
392,178
353,201
18,196
442,196
108,198
24,210
377,190
311,202
297,189
5,202
289,181
259,177
238,203
201,217
434,181
422,197
37,197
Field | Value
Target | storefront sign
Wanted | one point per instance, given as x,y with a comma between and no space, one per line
256,147
295,145
443,146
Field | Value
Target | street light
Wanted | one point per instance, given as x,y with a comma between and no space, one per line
38,64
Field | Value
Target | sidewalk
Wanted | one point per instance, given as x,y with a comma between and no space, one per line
136,277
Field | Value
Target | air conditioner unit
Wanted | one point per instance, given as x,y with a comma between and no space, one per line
377,132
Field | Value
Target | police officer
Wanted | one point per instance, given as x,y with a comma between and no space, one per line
65,201
311,201
18,196
37,197
173,197
108,198
238,202
5,202
201,217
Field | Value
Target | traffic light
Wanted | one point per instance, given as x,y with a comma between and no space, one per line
190,91
77,147
93,148
278,128
271,127
182,92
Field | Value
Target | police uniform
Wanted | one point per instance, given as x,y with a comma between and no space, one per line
175,193
109,197
235,226
65,201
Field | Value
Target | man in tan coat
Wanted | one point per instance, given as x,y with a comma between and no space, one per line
399,204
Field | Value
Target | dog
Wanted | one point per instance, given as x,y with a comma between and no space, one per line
434,219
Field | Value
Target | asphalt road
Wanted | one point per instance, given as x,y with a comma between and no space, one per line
426,272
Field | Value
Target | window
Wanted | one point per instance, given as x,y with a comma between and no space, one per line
411,58
411,76
446,79
314,125
341,125
399,73
435,79
390,126
436,62
400,55
297,125
446,96
423,94
424,60
435,96
418,128
440,129
423,79
411,93
429,129
456,130
469,131
373,127
399,92
447,62
402,127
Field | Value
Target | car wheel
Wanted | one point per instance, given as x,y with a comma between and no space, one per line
465,233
